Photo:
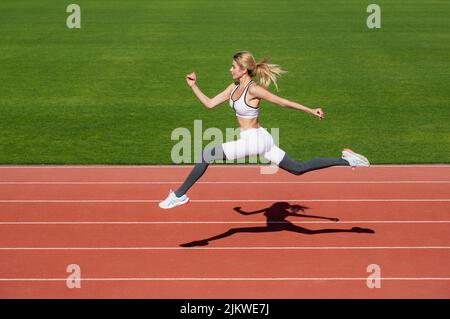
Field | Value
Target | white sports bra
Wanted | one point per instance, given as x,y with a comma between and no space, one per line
241,108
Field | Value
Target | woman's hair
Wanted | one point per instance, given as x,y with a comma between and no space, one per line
263,70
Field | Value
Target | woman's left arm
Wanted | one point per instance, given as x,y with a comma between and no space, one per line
262,93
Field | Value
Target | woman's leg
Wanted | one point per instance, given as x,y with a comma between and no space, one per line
208,155
279,157
299,168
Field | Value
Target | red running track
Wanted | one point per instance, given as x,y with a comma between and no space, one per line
105,219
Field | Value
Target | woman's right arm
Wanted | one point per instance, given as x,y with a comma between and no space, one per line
206,101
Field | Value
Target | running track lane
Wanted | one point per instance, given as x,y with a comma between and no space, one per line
106,219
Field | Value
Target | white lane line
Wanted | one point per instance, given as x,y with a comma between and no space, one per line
224,222
236,248
231,279
325,200
226,182
218,200
230,165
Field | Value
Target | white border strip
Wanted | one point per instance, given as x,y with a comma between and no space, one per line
231,279
235,248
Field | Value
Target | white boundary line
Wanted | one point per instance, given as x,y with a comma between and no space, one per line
235,248
214,165
227,182
232,279
226,222
216,200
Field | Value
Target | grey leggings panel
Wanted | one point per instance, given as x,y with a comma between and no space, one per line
208,155
298,168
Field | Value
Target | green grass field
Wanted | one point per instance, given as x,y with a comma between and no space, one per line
113,91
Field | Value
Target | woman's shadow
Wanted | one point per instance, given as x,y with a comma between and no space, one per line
276,221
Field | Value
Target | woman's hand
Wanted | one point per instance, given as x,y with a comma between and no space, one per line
191,79
317,112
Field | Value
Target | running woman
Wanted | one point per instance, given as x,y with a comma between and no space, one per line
244,97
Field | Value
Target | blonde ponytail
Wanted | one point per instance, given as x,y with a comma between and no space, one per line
265,72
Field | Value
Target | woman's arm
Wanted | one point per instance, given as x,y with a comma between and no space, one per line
262,93
311,216
206,101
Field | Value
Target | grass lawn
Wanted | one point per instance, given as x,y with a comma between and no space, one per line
113,91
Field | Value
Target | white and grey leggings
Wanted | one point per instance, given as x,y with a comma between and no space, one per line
253,142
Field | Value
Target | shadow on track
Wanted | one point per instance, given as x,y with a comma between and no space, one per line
276,221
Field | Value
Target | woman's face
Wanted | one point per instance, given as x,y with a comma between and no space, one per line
236,71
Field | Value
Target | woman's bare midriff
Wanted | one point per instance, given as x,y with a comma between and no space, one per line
246,124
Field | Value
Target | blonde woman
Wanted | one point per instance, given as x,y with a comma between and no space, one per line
244,97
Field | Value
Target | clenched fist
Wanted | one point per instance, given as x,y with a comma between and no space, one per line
191,79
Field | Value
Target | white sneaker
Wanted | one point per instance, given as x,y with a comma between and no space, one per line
354,159
173,201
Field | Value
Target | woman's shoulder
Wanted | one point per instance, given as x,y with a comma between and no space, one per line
254,87
232,86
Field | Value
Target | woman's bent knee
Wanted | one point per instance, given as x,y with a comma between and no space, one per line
211,154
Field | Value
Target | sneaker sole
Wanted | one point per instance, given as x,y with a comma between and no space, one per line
176,204
349,152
